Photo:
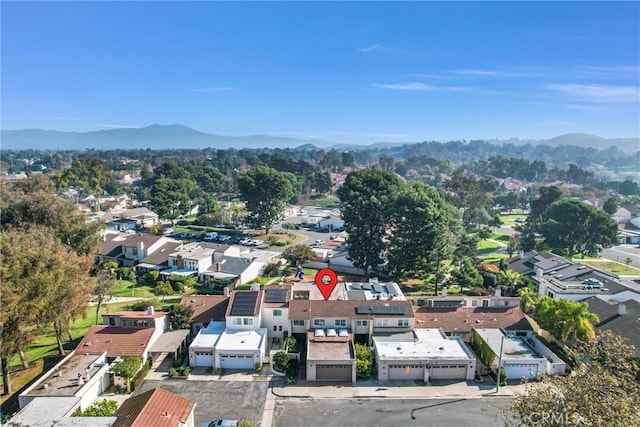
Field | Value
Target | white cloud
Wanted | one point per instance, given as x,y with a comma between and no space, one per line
210,89
488,73
598,93
420,87
110,126
371,48
69,118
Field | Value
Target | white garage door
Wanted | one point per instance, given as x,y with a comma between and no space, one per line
518,372
449,372
406,372
236,361
204,358
333,372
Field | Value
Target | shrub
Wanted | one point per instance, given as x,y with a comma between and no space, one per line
173,372
281,361
290,344
103,408
292,372
363,361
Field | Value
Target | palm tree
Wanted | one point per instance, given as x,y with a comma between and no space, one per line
578,321
510,279
529,298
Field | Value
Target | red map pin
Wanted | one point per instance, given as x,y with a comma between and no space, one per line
326,281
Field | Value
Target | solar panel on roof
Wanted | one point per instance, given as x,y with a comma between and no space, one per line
380,309
356,286
377,288
275,295
391,290
366,286
244,304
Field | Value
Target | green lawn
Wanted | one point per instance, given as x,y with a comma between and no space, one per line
510,219
126,288
609,266
325,202
485,246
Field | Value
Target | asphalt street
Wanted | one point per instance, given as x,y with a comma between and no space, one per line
389,412
622,252
218,399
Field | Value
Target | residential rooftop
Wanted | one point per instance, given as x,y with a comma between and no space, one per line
116,341
462,319
241,339
427,344
54,411
206,307
512,347
156,407
209,336
307,309
65,381
330,350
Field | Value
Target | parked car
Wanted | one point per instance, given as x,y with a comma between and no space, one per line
519,220
245,241
211,236
318,242
222,422
224,238
256,242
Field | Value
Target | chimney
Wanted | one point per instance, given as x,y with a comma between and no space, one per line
218,267
225,291
140,249
520,254
498,292
444,291
150,310
622,309
180,261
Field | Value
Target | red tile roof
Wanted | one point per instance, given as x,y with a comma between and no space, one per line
462,319
154,408
206,307
115,341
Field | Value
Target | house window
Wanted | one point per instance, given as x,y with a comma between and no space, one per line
298,323
362,323
485,303
112,321
236,321
247,321
277,313
340,322
275,328
474,303
506,303
318,322
280,328
382,322
403,322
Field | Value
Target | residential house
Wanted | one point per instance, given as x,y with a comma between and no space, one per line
458,315
275,311
521,357
206,308
122,224
158,408
55,411
331,222
129,249
158,259
81,376
423,354
622,318
330,355
190,260
144,217
241,344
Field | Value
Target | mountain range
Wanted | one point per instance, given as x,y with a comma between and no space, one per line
182,137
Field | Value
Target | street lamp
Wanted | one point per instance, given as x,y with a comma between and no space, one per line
504,335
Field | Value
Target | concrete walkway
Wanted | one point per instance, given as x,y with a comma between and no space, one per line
397,390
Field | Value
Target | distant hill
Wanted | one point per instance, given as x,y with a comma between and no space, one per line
593,141
182,137
154,137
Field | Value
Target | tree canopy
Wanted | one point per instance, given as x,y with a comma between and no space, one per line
602,391
266,192
367,196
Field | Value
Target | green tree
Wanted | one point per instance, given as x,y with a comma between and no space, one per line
180,316
509,279
628,262
281,361
611,205
529,298
103,288
484,233
170,198
423,237
298,254
512,245
367,196
537,215
577,227
164,289
102,408
567,320
266,192
127,368
40,208
363,361
602,391
467,275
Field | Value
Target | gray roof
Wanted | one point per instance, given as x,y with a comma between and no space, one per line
232,265
626,325
161,255
50,411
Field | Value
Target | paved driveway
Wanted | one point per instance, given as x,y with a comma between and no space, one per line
216,399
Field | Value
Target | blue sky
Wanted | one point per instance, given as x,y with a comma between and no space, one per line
341,72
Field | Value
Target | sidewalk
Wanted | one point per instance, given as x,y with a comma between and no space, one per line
396,390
